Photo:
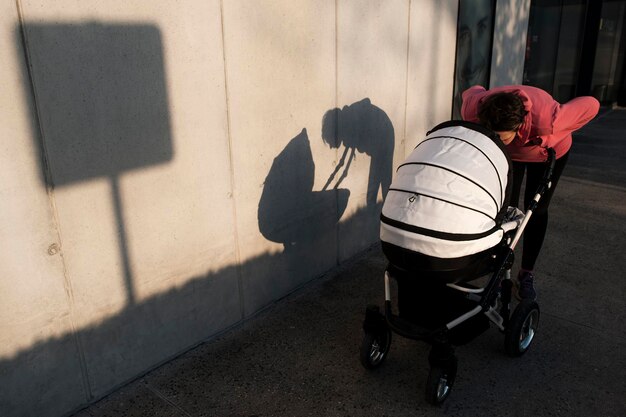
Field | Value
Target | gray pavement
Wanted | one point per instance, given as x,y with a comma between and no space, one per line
300,356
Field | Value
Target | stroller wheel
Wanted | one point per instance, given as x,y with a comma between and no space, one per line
522,327
374,348
440,382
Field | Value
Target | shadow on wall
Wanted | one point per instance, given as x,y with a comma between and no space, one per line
290,212
100,110
101,106
367,129
303,220
45,380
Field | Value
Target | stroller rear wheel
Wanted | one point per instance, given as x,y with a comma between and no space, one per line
374,348
522,327
440,381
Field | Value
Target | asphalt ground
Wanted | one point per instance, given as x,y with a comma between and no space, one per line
300,357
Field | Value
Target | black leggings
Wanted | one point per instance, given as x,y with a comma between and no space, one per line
536,229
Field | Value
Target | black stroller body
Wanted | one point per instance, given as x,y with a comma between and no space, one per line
446,222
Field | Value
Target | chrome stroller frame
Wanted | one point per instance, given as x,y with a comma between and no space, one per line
493,300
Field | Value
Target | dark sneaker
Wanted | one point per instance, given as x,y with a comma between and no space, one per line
524,286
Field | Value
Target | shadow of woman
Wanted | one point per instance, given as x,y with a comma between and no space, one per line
367,129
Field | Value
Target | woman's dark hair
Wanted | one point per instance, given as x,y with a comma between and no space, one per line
502,112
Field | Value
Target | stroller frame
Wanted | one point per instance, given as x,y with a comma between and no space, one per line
493,300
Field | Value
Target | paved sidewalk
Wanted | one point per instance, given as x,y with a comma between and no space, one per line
300,357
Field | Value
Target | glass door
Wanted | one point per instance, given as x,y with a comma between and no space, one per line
554,46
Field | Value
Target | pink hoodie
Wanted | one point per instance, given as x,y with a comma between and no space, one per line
548,124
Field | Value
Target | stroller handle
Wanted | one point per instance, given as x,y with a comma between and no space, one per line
551,161
546,183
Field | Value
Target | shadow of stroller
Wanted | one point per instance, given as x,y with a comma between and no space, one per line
290,212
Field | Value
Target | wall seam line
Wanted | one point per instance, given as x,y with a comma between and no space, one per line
336,138
49,185
406,81
242,305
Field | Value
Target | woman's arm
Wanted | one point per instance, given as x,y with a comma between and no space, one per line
576,113
570,117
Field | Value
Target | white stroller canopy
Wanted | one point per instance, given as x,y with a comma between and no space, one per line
448,197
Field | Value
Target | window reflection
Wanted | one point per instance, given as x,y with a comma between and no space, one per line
473,50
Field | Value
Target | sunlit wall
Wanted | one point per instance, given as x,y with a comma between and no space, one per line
168,169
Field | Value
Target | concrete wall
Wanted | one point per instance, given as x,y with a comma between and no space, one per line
170,168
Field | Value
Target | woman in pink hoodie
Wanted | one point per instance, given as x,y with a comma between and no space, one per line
528,120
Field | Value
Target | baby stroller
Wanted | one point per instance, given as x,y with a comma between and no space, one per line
446,222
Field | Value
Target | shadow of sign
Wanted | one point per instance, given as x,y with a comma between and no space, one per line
101,106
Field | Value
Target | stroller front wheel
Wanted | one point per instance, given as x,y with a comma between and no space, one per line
374,348
522,327
440,381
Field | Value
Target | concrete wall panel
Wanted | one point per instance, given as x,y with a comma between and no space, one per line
280,61
133,115
35,299
372,50
431,67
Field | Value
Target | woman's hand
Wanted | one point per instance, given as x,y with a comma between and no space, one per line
536,141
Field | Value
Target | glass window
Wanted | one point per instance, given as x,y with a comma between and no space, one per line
553,47
609,59
570,47
473,48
